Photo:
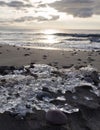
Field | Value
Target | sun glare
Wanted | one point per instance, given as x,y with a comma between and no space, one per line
50,39
50,31
49,35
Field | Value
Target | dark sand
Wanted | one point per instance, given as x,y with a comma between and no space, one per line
15,56
88,118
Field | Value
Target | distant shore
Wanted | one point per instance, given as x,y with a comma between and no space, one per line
19,56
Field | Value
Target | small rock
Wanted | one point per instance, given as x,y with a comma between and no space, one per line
26,54
31,65
67,66
57,102
6,69
95,77
12,68
44,56
79,59
85,87
20,68
56,117
92,77
42,95
45,89
56,73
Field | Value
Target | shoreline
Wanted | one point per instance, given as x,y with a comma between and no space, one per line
20,56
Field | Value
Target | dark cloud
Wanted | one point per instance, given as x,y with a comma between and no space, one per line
40,18
29,19
56,17
2,3
25,18
32,18
18,4
78,8
42,5
15,4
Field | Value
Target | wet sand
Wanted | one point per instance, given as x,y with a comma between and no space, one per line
17,56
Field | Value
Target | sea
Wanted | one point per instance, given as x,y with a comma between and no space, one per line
52,38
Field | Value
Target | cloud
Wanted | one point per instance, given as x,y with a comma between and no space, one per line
78,8
30,19
40,18
15,4
28,11
2,3
33,18
56,17
25,18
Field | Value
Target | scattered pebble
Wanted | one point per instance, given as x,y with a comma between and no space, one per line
41,95
26,54
56,117
44,57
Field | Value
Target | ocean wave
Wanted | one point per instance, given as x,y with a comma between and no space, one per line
60,40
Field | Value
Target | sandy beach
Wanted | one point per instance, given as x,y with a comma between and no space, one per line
19,56
50,65
87,118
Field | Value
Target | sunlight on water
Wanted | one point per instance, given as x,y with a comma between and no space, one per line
50,39
49,31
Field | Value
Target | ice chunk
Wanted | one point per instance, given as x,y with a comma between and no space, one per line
18,89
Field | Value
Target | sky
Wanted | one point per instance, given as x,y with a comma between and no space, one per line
53,14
